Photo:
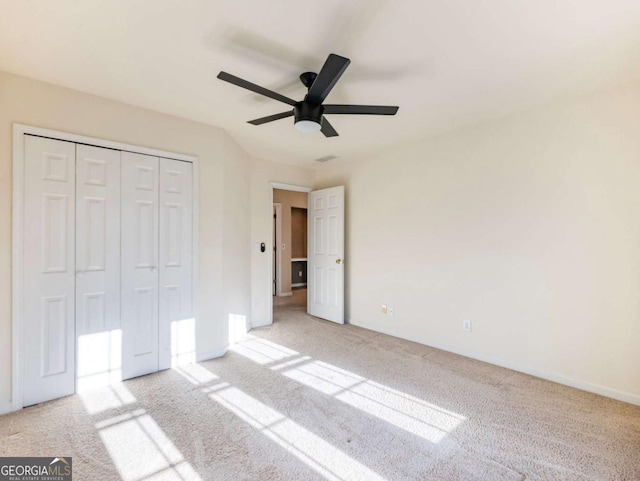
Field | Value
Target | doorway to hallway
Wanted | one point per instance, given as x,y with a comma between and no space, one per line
322,260
296,302
290,250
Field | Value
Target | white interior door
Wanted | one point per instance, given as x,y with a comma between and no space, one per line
139,264
48,329
177,325
325,261
99,337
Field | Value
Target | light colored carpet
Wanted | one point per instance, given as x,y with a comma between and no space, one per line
305,399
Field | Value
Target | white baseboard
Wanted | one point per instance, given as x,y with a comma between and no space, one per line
264,323
6,408
285,294
299,284
549,376
205,356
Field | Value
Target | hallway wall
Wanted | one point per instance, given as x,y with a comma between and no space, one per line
288,199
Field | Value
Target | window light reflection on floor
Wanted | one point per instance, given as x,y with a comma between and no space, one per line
109,397
402,410
290,363
261,350
395,407
196,374
141,451
311,449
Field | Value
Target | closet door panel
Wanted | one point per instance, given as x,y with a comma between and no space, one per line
99,358
48,330
139,264
177,326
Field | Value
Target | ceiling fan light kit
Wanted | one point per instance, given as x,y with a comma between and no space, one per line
308,125
309,113
307,116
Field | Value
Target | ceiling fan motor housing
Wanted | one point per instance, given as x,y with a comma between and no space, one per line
307,79
308,111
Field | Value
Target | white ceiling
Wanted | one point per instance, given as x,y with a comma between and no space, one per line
446,63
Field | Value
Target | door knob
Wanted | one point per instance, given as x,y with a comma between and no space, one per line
339,261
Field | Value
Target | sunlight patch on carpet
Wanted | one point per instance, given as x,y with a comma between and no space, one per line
414,415
141,451
407,412
314,451
105,398
262,351
196,374
290,363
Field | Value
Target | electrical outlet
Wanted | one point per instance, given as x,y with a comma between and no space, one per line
300,273
383,309
466,325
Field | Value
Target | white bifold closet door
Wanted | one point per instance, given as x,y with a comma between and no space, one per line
48,329
99,336
177,324
107,267
158,328
139,264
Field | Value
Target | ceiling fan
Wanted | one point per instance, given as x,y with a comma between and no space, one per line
309,114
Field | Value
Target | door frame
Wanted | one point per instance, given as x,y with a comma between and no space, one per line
280,186
17,267
277,250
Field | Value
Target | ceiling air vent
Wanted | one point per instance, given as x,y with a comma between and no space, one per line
327,158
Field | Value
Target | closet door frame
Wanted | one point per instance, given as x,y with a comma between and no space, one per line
17,270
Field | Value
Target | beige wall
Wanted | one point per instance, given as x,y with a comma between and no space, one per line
287,199
298,232
528,226
226,179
